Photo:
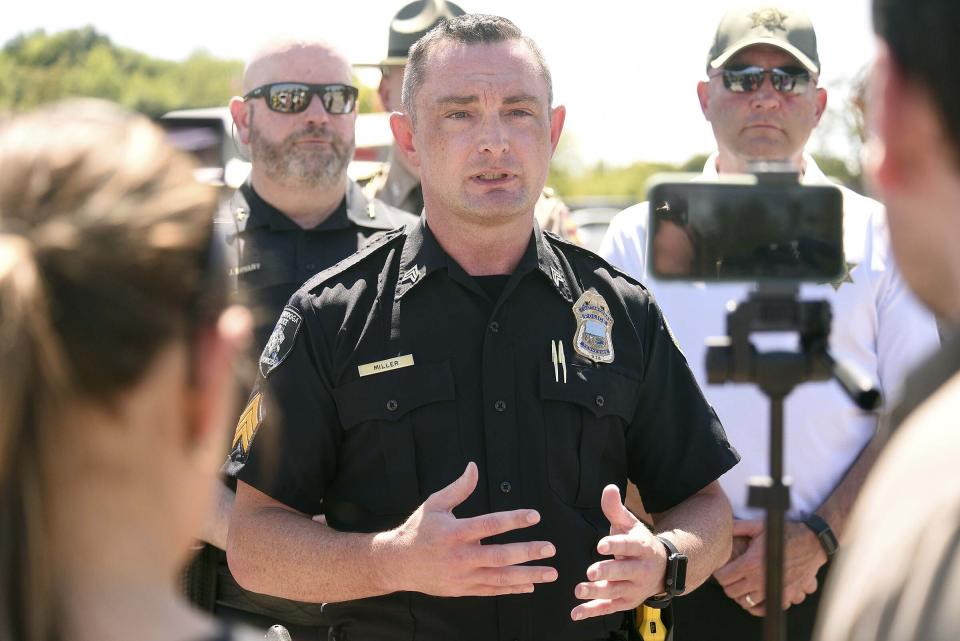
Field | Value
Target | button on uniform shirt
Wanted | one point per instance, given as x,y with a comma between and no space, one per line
387,374
274,256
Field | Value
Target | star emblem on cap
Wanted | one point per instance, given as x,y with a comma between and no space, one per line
847,277
770,19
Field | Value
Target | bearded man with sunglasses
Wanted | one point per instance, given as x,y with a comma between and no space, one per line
296,215
762,100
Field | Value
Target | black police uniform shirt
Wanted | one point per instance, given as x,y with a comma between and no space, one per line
272,256
389,372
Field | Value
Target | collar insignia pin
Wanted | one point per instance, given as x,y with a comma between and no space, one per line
558,279
411,276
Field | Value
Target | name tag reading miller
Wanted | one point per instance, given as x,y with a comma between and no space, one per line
386,365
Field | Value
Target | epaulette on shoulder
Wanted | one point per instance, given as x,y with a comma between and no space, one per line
376,244
563,243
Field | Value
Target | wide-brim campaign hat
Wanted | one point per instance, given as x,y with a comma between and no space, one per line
409,25
785,28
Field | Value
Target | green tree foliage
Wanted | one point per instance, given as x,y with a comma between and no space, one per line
39,68
628,183
570,179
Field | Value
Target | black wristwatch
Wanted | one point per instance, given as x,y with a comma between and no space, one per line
675,579
828,540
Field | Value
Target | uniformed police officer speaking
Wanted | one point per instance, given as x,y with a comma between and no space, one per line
468,397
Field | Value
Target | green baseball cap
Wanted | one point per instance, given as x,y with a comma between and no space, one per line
410,24
785,28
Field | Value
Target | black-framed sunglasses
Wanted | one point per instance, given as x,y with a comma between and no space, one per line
295,97
789,80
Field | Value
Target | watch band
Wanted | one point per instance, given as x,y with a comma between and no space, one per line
828,540
675,579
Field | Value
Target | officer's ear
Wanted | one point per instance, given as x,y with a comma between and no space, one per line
402,128
820,103
557,117
240,111
703,95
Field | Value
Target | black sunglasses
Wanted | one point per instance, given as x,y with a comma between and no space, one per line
790,80
294,97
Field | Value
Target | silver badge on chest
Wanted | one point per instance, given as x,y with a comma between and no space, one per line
593,338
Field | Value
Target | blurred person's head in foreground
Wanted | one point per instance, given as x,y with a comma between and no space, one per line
914,157
116,346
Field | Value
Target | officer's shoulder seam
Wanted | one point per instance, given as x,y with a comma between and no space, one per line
377,243
589,255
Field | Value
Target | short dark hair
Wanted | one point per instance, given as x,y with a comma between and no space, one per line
472,28
923,39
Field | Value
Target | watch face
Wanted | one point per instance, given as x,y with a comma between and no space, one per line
829,541
680,584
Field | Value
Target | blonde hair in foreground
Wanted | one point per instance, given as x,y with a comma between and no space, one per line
104,243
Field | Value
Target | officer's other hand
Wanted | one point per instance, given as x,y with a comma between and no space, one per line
636,571
436,553
746,574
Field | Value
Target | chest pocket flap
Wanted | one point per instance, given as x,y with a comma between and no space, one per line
379,414
392,395
601,390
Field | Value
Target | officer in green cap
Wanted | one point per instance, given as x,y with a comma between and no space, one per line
762,98
396,182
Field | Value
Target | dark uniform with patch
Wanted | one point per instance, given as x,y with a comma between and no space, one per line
395,368
271,257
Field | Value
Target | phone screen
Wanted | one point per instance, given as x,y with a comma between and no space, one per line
738,232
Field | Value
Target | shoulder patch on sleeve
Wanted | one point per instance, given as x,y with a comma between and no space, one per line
281,341
247,426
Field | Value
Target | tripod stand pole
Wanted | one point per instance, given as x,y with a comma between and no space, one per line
774,628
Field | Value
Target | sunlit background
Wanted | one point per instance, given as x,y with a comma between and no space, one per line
625,69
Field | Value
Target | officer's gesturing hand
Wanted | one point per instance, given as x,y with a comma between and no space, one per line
436,553
636,571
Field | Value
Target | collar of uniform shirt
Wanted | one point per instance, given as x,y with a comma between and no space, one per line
263,214
812,174
422,255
